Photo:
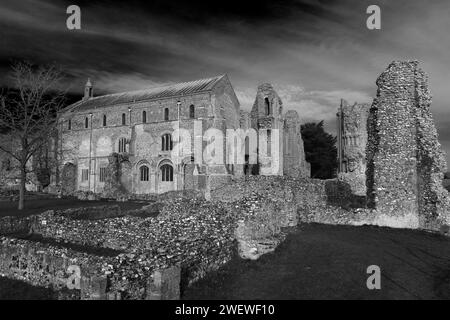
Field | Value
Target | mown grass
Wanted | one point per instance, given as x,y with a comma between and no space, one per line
36,206
330,262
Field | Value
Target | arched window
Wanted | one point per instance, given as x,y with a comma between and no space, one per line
267,105
122,145
124,119
69,125
104,120
166,114
144,173
86,122
166,142
166,172
191,111
144,116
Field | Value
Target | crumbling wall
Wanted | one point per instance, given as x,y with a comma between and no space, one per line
353,138
434,200
192,233
113,187
267,114
405,160
45,265
295,164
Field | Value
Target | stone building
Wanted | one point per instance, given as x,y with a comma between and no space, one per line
351,144
284,153
123,142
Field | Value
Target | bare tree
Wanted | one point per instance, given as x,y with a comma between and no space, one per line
28,114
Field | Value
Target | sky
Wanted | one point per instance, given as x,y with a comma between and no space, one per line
314,52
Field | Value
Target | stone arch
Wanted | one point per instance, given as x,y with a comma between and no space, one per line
68,178
138,172
141,162
163,185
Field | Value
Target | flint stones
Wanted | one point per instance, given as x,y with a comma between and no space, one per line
405,161
165,284
252,249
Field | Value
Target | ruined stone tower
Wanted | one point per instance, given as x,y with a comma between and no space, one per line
405,162
267,118
295,164
351,143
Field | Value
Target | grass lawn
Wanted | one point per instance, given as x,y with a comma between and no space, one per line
36,206
18,290
330,262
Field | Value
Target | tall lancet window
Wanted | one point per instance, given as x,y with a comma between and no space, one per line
104,120
144,172
166,114
122,145
144,116
124,119
166,142
267,106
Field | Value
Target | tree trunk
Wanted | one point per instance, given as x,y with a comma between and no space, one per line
23,178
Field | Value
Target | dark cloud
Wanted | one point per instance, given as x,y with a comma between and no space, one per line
315,52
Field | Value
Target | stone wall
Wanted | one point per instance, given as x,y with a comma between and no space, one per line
267,114
295,164
405,160
191,233
48,266
90,147
269,205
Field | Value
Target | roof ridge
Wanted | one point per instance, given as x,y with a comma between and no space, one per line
155,92
216,78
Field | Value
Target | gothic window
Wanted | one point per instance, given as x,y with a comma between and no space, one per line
124,119
144,173
102,174
86,122
166,114
267,106
144,116
192,111
104,120
166,173
84,174
166,142
122,145
269,142
69,125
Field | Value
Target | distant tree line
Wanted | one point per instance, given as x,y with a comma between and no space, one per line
320,150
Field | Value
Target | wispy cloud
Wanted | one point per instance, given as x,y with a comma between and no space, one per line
313,52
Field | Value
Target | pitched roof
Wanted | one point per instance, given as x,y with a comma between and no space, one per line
167,91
